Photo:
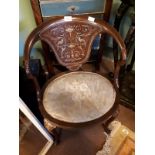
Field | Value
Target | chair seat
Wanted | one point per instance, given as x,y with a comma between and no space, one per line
78,97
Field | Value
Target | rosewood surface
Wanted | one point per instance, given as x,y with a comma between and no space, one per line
71,42
39,19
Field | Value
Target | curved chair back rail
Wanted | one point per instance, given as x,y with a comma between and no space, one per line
71,42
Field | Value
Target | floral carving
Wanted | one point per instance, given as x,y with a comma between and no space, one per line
71,42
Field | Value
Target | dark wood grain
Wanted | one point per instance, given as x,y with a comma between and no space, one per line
39,19
36,11
107,11
71,42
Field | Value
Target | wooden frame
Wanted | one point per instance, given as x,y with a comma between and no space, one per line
51,26
39,20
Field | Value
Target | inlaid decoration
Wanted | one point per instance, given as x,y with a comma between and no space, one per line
71,41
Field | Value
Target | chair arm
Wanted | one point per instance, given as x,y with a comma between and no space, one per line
32,38
113,32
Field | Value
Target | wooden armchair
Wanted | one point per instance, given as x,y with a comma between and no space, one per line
75,98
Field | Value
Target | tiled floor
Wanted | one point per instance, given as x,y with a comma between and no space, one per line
83,141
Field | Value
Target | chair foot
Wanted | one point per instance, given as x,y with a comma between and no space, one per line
56,134
53,130
108,121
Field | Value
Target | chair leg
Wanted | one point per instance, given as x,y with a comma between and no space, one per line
108,121
106,124
53,130
56,133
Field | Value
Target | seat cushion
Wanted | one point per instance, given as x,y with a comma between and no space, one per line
78,97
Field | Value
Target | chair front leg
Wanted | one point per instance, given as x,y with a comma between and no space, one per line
53,130
109,120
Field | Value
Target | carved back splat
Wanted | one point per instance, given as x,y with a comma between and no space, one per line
71,41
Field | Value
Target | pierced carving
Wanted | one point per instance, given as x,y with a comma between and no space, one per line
71,42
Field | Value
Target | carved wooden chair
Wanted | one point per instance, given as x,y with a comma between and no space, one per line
75,98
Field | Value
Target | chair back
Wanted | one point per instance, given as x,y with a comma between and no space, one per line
71,41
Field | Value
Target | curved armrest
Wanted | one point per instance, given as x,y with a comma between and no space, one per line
32,38
113,32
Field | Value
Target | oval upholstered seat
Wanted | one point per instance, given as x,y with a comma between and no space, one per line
78,97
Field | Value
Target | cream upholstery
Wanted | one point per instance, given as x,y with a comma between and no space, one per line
78,97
